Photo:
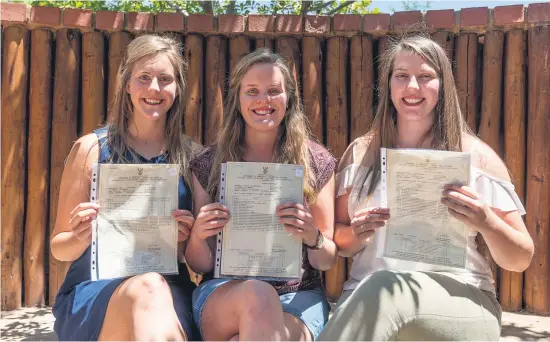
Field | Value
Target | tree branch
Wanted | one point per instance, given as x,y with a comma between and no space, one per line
231,7
344,5
305,7
207,7
320,7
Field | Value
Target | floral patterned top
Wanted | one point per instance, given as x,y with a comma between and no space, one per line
322,165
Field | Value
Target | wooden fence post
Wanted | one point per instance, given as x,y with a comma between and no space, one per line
93,82
289,49
537,276
216,71
64,130
238,48
491,98
489,127
264,42
466,74
337,133
36,225
511,283
15,75
312,85
194,54
446,40
118,42
362,85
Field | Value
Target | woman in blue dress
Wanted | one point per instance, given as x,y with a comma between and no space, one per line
144,127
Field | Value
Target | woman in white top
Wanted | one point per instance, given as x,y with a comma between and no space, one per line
389,299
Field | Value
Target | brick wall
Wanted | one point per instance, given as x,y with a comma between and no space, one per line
467,19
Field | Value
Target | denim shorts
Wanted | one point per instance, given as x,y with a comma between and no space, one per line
310,306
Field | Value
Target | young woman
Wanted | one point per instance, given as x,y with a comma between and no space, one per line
144,127
389,299
263,122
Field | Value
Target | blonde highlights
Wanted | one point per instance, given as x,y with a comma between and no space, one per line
178,146
291,147
448,125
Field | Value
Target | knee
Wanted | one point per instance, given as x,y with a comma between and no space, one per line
143,291
259,297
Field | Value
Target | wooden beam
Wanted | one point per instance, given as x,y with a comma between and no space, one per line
15,73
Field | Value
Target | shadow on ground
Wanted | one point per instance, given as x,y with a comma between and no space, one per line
510,329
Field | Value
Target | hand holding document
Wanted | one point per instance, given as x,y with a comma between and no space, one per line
420,228
134,231
253,242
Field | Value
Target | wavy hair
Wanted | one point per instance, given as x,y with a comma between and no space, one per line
448,126
291,147
178,145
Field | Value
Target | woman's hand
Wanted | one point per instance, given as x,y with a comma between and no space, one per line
298,221
210,220
465,205
365,221
80,220
185,220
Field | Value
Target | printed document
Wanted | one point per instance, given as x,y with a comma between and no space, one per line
254,243
134,231
420,228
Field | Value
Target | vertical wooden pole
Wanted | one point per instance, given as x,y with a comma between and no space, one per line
537,276
264,42
64,130
382,47
93,82
216,68
447,41
194,53
40,107
15,73
511,283
312,61
118,41
362,85
491,110
337,133
289,49
491,101
466,74
238,48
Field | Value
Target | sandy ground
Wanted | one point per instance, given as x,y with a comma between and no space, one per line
36,324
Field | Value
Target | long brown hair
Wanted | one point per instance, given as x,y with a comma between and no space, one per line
448,126
178,146
292,147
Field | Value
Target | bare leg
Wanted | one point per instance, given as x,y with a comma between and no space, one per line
250,309
296,330
142,308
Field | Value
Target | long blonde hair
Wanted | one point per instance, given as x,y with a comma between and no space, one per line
449,124
178,146
292,147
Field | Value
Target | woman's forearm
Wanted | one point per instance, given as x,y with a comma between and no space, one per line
511,249
66,247
323,258
198,255
346,241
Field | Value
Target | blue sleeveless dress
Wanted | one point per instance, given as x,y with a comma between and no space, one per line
81,304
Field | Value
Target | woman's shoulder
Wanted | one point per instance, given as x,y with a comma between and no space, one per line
355,152
485,158
84,154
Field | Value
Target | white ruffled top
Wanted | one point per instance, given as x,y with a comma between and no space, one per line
495,192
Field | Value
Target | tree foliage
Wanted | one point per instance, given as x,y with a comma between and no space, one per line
242,7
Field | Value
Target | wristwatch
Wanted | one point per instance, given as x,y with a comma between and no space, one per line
319,242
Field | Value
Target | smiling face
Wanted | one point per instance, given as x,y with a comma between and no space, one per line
152,87
263,97
414,87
